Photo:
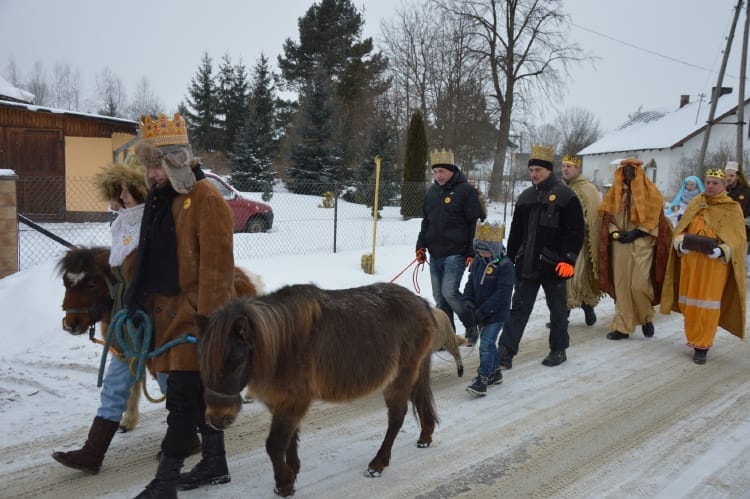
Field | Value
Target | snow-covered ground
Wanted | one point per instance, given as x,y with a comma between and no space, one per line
633,418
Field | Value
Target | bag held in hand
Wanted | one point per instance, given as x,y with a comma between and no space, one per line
701,244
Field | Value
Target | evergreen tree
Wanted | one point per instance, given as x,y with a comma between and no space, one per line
382,142
415,162
315,160
200,109
256,143
232,101
331,40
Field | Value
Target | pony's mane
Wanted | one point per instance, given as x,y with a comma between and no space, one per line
81,259
275,322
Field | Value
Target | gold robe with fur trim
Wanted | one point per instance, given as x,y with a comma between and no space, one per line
723,217
584,287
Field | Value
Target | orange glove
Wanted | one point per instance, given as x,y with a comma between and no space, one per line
564,270
421,255
468,260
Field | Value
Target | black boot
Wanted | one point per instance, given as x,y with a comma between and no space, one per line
479,386
89,458
212,469
164,485
555,358
589,314
496,378
699,355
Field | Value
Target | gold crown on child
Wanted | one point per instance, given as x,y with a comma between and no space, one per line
164,131
441,157
543,152
573,160
492,232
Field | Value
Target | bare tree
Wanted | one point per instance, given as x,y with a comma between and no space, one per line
145,101
523,45
66,87
11,74
110,94
578,129
38,85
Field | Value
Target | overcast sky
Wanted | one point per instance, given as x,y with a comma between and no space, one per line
648,52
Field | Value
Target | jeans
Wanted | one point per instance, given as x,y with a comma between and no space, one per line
524,296
446,273
115,390
489,357
116,385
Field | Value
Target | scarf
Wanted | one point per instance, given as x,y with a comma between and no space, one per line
125,233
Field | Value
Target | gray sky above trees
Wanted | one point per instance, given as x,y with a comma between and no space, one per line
648,52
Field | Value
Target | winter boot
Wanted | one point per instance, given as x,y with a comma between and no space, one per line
195,449
164,484
699,357
589,314
648,329
555,358
471,335
479,386
496,378
89,458
212,468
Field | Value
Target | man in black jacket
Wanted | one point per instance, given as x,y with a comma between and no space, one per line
546,234
450,212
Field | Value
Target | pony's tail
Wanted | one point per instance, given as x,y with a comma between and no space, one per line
423,403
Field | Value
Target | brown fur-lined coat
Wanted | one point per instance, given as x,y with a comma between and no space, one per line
203,225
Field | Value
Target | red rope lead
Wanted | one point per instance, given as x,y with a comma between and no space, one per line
414,276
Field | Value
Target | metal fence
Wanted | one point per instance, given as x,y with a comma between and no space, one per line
302,223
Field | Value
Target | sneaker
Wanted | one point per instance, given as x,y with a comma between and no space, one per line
506,358
699,357
648,329
589,314
555,358
617,335
471,335
496,378
479,386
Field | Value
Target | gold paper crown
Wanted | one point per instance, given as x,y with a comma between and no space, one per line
164,131
715,172
441,157
543,152
568,158
487,231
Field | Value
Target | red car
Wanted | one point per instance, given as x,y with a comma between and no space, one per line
249,215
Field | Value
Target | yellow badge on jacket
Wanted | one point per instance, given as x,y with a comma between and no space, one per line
490,270
447,200
552,197
186,204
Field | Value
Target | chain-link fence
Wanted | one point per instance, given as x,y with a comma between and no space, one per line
328,221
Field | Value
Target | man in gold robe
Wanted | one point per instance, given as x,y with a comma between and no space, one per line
707,284
634,248
583,288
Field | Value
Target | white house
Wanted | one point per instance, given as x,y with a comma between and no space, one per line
667,138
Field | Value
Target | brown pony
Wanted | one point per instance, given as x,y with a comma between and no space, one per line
303,343
87,301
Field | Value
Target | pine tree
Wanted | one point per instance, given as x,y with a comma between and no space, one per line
232,101
382,142
200,108
256,143
315,160
415,162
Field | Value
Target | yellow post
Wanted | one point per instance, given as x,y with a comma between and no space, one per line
378,160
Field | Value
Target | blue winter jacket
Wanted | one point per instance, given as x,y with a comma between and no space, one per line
490,287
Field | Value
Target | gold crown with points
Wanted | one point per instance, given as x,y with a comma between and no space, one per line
164,131
441,157
715,172
543,152
492,232
573,160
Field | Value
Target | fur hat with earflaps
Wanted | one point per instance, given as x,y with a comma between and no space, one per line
165,142
110,180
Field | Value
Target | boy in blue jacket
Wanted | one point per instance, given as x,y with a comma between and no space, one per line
489,290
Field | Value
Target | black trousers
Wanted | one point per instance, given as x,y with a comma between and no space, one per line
186,413
522,303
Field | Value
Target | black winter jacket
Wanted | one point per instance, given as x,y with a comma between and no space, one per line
547,228
450,215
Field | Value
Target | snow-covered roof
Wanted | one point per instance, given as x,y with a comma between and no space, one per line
670,130
53,110
8,90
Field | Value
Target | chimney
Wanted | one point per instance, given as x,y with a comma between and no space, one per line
684,100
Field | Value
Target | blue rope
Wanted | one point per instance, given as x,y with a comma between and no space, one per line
133,338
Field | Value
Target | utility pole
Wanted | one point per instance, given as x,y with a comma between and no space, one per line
741,95
716,93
